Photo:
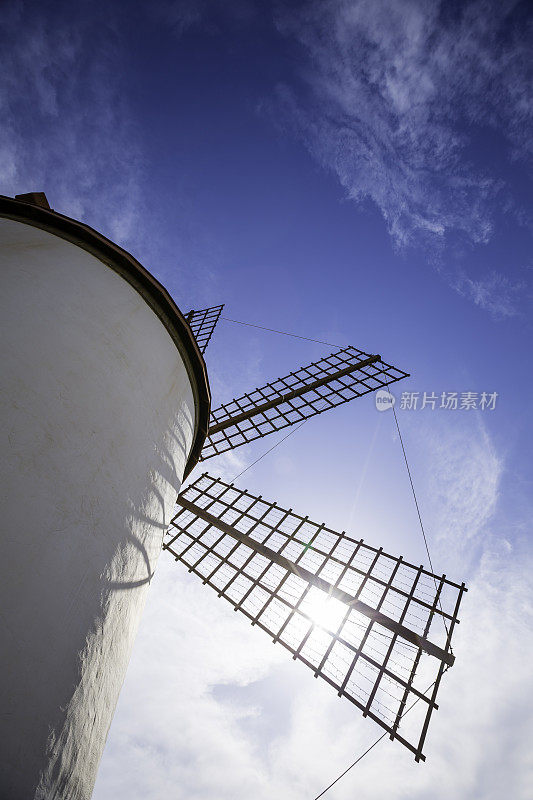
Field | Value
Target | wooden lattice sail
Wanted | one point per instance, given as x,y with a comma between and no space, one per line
372,625
325,384
203,323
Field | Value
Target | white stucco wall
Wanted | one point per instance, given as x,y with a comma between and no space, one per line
97,422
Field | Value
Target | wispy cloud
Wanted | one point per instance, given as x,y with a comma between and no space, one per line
392,99
463,483
181,15
496,293
64,126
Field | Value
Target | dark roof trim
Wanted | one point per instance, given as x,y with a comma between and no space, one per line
145,284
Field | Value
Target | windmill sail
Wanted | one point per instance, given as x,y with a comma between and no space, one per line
203,324
325,384
372,625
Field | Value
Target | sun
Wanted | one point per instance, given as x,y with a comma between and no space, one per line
325,611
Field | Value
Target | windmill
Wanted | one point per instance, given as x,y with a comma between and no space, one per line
367,622
107,409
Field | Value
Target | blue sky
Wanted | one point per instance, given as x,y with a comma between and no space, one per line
356,172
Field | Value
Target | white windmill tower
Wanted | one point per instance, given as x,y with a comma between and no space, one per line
106,408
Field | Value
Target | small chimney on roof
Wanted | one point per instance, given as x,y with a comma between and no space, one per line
35,198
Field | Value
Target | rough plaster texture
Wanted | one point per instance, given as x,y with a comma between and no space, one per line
97,422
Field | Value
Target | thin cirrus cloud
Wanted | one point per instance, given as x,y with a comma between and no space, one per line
181,15
494,292
464,482
391,98
64,126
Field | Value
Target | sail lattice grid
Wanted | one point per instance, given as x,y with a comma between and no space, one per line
376,628
203,323
330,382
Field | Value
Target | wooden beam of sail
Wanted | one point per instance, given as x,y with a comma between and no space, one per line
325,384
203,323
372,625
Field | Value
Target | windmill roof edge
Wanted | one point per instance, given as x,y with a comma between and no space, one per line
27,209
